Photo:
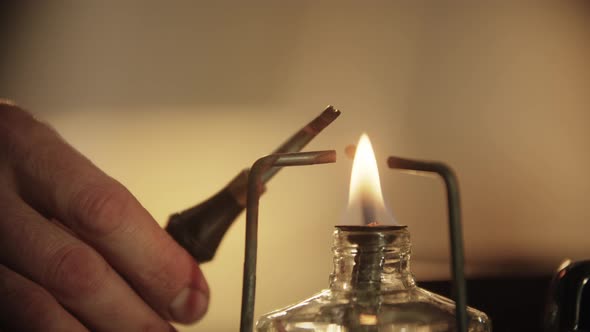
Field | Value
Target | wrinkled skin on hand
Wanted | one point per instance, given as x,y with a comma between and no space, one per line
77,251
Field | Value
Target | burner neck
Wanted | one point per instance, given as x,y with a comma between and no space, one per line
371,258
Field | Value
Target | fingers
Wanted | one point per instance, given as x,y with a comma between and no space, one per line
72,272
109,217
28,307
105,215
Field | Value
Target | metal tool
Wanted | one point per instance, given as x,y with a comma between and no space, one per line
201,228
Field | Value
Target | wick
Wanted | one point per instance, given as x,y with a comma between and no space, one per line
368,209
373,224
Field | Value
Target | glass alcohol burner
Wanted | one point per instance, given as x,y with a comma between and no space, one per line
371,290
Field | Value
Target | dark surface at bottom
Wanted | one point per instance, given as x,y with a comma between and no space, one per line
513,304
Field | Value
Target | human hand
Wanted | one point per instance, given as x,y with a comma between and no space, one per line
77,251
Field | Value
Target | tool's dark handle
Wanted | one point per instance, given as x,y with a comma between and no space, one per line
200,229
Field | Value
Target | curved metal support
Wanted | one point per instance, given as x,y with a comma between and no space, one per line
255,187
455,231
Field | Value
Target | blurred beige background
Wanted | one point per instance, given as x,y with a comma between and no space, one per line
174,98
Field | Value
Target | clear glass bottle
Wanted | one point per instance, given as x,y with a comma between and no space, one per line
371,290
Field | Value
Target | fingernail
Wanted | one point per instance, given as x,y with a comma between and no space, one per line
189,305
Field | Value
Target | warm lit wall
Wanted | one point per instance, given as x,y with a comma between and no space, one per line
174,99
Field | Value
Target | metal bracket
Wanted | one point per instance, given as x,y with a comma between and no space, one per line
455,231
255,187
